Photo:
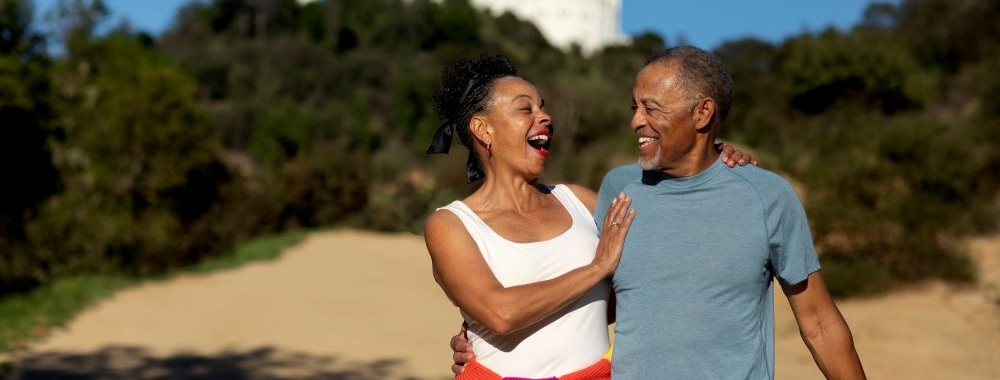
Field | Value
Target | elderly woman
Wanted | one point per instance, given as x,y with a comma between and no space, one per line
522,260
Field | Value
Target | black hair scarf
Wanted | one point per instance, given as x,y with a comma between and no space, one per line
441,143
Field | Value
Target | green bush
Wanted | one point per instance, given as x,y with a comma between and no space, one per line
886,196
247,118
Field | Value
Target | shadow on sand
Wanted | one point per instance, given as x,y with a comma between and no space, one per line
133,363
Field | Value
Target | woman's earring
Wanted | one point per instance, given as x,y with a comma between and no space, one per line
489,148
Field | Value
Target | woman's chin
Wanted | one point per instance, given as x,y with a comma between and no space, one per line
536,172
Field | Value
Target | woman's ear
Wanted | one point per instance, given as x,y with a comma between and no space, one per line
481,129
704,111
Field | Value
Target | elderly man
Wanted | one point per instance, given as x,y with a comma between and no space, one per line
691,303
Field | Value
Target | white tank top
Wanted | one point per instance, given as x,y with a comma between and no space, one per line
572,338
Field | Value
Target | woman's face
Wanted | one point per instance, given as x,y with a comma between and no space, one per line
520,129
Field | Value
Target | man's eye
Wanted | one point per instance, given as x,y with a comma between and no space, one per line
634,107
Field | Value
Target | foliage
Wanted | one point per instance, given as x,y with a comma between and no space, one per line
890,141
872,68
136,159
136,154
25,158
881,199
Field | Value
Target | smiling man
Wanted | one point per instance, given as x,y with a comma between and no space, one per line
693,303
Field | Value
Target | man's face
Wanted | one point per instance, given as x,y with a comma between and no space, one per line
662,118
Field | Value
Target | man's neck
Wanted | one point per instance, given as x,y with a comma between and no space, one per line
697,161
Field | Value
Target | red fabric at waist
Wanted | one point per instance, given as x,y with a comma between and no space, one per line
601,370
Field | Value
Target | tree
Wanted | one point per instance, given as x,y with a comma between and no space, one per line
869,67
136,158
25,158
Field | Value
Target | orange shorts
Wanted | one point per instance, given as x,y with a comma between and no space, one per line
597,371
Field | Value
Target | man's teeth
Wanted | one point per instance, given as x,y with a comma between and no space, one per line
643,140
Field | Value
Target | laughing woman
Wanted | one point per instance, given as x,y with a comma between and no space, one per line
520,259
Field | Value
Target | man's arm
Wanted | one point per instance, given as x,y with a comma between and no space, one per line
824,329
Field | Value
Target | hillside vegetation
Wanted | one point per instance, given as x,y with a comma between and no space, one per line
134,154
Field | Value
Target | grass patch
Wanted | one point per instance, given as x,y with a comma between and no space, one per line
265,248
27,317
30,316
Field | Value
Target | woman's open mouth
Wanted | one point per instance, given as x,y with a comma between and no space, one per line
541,142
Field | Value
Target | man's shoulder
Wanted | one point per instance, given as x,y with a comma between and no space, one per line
623,174
767,184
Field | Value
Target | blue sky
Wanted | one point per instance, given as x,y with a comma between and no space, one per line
701,23
708,23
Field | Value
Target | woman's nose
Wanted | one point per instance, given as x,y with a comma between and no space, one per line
545,118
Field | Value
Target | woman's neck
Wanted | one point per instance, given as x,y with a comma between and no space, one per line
499,192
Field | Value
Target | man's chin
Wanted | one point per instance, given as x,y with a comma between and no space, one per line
649,164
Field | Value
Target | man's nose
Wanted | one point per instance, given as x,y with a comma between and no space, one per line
638,120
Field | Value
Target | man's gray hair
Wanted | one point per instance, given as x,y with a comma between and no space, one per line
702,74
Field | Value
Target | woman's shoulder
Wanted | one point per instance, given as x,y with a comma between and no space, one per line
442,220
584,194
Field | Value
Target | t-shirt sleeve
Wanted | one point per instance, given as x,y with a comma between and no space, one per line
792,254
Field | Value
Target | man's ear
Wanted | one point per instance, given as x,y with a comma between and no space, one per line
704,112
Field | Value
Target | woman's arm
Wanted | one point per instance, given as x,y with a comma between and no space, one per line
465,277
732,156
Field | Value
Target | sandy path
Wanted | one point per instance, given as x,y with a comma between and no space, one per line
932,331
357,305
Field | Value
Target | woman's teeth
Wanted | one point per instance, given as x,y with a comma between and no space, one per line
538,141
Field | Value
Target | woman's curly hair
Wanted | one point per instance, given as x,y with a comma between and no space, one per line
465,90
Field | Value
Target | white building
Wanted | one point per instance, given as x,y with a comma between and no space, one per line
591,24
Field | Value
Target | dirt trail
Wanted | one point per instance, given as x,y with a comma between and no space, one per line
358,305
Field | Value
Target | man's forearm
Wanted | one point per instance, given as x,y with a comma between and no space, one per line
832,347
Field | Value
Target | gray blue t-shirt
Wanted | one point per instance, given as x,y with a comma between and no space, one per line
694,287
